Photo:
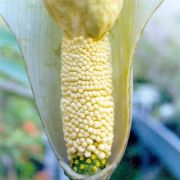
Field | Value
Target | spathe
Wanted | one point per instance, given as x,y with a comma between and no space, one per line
39,39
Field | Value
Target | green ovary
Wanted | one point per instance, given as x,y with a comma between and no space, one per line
87,103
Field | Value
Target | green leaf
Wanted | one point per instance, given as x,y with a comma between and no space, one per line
7,38
39,39
13,71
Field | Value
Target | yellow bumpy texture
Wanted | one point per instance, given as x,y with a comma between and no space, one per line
87,104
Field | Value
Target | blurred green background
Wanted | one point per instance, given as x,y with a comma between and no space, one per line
20,127
156,73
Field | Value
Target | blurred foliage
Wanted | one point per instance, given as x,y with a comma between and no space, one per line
11,62
139,164
21,146
157,59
